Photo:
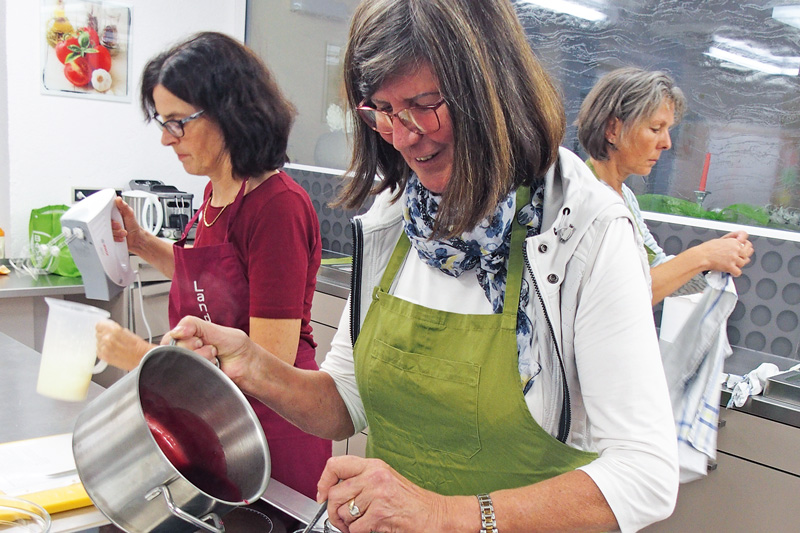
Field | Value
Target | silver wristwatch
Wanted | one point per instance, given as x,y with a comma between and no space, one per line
488,520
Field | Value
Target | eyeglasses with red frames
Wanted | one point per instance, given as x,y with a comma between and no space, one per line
420,119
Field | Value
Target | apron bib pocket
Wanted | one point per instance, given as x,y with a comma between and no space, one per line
448,389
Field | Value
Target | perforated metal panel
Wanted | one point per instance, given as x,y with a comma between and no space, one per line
767,315
323,188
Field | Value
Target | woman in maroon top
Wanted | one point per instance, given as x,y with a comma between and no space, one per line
257,248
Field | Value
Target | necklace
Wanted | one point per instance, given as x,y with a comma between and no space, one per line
205,214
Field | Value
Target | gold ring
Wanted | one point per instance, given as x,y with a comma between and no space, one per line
354,510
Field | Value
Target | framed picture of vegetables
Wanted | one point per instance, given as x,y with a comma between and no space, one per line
85,49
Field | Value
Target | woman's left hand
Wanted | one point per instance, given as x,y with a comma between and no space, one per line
729,253
119,346
367,495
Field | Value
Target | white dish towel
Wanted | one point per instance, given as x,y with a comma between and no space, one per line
693,360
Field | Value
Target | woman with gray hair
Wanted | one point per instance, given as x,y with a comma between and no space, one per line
482,343
624,125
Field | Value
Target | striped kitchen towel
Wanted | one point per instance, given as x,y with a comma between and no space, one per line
693,362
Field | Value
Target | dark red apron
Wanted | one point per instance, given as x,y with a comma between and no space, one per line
211,282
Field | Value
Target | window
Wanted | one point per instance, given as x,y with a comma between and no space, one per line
736,62
738,65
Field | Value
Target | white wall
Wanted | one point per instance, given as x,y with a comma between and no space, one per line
293,44
56,143
4,189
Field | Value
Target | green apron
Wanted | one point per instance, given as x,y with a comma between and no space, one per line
442,391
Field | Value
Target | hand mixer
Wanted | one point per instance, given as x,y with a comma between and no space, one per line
104,264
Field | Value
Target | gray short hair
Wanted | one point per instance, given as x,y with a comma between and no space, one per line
629,94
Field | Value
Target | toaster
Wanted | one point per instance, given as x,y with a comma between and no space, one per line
177,206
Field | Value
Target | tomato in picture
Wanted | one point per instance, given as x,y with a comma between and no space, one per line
92,35
63,48
100,59
78,72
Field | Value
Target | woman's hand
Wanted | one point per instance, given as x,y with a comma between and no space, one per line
141,242
129,230
232,347
383,500
730,253
118,346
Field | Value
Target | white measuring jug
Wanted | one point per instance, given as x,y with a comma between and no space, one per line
70,350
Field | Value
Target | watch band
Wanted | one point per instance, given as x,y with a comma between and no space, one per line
488,520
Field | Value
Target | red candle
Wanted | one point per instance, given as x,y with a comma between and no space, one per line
705,172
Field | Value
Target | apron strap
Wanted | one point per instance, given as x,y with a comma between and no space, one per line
188,227
515,264
236,204
398,256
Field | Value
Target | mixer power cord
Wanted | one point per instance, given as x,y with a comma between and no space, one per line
141,307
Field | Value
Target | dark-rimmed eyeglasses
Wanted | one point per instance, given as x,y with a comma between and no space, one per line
174,126
420,119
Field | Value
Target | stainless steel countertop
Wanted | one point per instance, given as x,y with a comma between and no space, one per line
25,414
334,280
16,285
743,361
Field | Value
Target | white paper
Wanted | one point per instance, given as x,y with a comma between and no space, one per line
676,311
28,465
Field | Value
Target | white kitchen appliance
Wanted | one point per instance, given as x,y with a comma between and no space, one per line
147,209
104,264
177,206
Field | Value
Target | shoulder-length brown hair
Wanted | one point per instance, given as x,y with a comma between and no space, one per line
508,119
234,88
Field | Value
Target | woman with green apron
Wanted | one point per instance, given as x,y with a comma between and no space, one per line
456,377
498,343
